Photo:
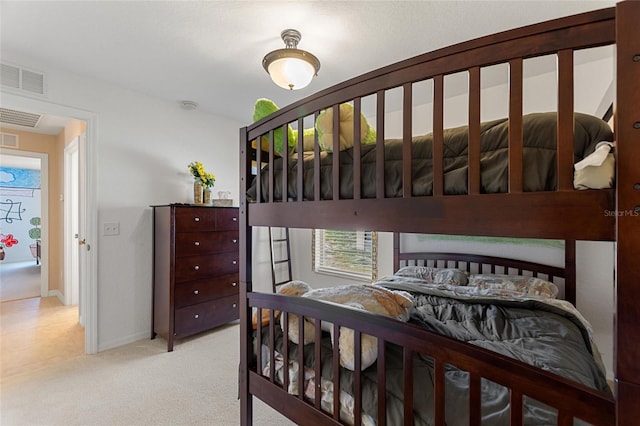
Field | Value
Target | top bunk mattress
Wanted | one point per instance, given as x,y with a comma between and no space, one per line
539,161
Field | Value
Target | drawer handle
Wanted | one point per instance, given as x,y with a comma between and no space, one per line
234,305
197,243
196,316
197,219
234,284
196,291
234,241
196,267
235,219
234,262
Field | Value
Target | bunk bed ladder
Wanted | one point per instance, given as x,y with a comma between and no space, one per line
280,255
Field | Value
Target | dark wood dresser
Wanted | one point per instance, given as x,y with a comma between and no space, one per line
195,282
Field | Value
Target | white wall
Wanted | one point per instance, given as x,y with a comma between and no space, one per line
143,148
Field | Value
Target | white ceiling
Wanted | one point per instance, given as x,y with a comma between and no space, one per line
210,52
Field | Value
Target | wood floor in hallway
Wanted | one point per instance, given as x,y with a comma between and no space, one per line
37,332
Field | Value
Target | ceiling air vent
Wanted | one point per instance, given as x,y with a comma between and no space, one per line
22,79
8,140
19,118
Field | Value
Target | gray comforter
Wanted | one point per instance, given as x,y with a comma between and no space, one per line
546,335
539,131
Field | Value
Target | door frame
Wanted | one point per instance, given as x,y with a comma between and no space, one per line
89,287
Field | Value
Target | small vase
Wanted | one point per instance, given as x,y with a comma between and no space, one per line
208,196
197,192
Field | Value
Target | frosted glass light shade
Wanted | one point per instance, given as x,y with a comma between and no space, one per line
291,73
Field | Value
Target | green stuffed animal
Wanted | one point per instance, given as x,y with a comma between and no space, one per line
266,107
324,127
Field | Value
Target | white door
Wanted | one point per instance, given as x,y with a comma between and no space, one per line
71,205
83,246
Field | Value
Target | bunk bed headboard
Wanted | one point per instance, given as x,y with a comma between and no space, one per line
474,263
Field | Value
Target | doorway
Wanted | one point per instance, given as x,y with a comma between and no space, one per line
24,224
87,219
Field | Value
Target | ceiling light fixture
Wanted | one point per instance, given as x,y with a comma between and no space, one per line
291,68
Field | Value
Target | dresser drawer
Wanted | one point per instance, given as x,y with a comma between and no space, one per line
200,243
199,267
194,292
227,219
195,219
203,316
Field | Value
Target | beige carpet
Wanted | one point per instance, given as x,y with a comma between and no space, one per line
137,384
19,280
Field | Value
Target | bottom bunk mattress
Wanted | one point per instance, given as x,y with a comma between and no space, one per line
539,161
546,333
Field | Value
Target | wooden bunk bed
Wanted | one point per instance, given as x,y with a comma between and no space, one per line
473,213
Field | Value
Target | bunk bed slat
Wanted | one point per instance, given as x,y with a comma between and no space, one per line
300,182
357,149
380,144
316,162
515,125
258,166
271,171
285,162
259,342
564,419
570,271
300,358
272,348
285,351
407,369
407,145
475,398
336,371
515,408
336,153
474,131
438,138
357,381
381,369
564,141
317,394
438,392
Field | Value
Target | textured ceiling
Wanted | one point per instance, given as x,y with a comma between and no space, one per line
210,52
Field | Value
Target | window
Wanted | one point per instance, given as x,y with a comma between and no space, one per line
351,254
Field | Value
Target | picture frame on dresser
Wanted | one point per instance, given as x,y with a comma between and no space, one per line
195,271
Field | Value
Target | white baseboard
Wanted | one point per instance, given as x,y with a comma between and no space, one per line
57,294
103,346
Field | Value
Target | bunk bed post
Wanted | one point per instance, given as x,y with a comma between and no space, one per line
246,402
627,129
396,252
570,270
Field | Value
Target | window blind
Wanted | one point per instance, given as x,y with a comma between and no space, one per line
351,254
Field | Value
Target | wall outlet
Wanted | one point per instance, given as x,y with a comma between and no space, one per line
111,228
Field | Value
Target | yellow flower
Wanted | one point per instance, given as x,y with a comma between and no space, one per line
200,174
